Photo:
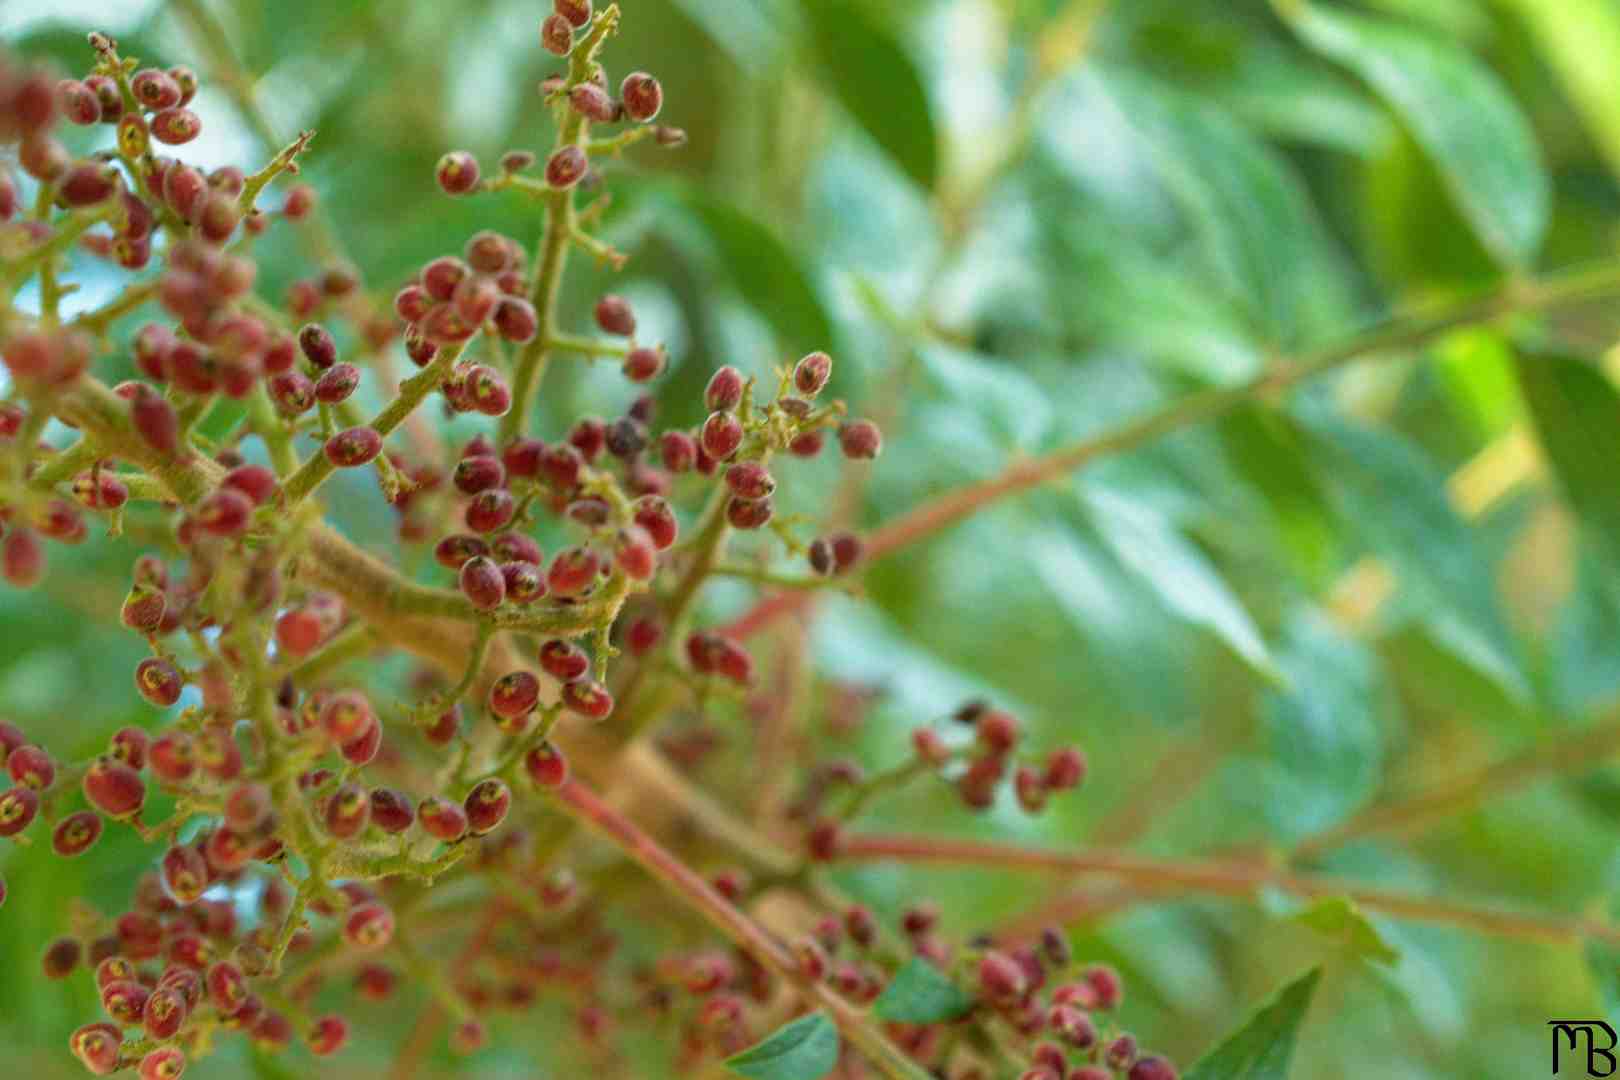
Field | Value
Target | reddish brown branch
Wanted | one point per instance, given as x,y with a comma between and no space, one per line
1228,877
690,887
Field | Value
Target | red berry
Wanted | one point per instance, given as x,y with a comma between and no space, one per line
1106,984
77,102
593,103
482,583
721,435
457,174
354,447
563,660
18,808
577,12
1065,769
486,806
347,811
478,473
810,374
724,391
512,697
114,788
750,480
164,1013
31,767
369,926
158,681
155,420
998,731
587,698
299,203
176,126
1001,979
860,439
557,35
96,1046
328,1035
391,811
615,316
1153,1068
566,167
61,957
678,450
185,874
642,96
336,384
76,833
248,807
154,89
643,364
546,766
453,551
748,513
573,571
442,818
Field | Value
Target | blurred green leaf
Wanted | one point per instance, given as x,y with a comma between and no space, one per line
1338,918
1253,220
1397,501
877,83
764,270
1476,367
1580,41
1321,758
920,993
1263,1048
806,1049
1147,544
1576,412
1458,111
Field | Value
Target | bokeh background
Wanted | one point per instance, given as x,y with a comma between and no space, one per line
1014,223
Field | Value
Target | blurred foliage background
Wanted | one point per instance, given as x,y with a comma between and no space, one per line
1016,223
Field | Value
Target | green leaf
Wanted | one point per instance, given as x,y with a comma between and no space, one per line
877,83
1580,41
1320,748
1249,212
921,994
1339,918
805,1049
1576,412
1458,111
1146,542
1396,499
1263,1047
767,274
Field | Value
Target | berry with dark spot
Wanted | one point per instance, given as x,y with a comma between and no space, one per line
18,808
352,448
566,167
457,174
642,96
76,833
159,681
442,819
588,699
486,806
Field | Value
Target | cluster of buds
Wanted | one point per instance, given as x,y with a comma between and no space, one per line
304,810
997,734
1036,990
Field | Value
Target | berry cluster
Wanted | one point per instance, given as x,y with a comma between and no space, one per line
298,803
